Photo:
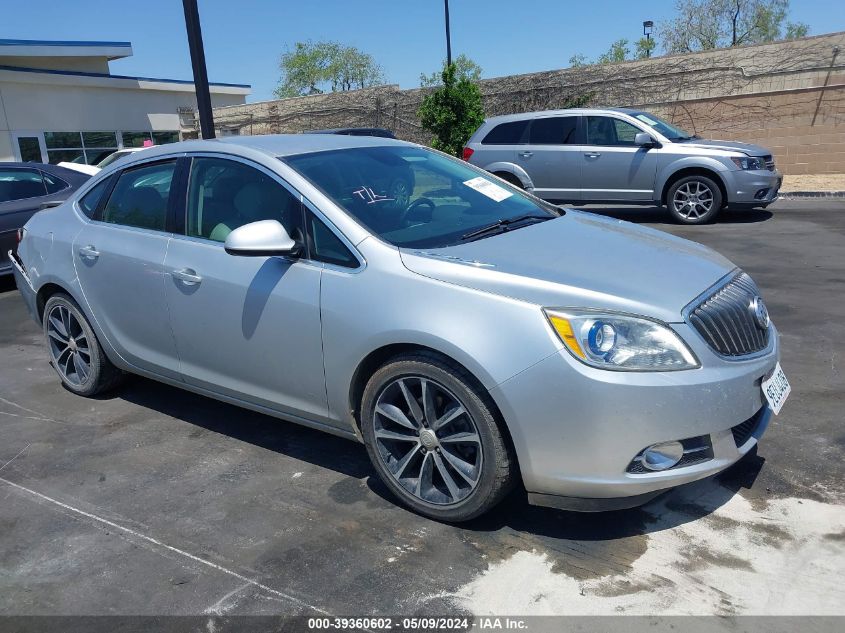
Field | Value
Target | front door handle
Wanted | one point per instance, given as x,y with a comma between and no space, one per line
89,252
592,154
187,275
526,154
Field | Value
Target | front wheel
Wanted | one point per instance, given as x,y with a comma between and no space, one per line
694,200
433,438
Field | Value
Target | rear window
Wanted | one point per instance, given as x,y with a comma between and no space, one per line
556,130
506,134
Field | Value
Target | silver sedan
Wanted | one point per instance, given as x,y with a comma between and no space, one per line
474,337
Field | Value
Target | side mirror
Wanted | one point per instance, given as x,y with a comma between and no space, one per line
264,238
644,139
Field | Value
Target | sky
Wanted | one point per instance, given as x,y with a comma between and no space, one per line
244,40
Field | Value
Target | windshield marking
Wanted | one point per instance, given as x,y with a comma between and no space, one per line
487,188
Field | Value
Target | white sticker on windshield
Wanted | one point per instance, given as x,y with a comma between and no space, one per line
489,189
647,120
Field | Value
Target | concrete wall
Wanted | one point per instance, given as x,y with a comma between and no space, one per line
789,96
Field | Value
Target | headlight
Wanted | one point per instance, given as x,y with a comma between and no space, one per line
620,342
747,162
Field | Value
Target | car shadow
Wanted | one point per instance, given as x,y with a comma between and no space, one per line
676,507
657,215
7,283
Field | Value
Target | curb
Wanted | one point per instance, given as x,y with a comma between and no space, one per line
788,195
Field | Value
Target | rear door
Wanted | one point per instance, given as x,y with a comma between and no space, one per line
246,327
552,157
613,166
119,259
499,147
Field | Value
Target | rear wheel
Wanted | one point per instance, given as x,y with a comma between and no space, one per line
508,177
694,200
433,438
75,353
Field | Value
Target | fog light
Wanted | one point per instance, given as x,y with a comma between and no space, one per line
761,193
662,456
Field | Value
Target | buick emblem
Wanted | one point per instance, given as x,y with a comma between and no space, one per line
761,314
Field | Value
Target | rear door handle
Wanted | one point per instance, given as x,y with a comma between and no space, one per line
88,252
526,154
592,154
187,275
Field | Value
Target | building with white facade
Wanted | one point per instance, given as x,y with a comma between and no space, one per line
59,101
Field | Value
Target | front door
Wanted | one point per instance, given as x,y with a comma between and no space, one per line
246,327
119,259
29,147
613,167
552,158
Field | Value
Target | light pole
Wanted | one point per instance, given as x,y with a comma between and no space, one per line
192,24
648,26
448,36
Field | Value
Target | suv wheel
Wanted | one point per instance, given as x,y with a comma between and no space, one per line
434,439
508,177
75,353
694,200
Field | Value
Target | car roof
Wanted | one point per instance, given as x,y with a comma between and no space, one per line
274,145
570,111
70,175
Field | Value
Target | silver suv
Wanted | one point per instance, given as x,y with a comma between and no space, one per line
618,155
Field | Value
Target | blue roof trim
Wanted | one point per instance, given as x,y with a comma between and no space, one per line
81,73
4,42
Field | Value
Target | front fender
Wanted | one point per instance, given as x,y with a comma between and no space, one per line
515,170
690,162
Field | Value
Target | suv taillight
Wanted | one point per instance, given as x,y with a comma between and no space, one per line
468,151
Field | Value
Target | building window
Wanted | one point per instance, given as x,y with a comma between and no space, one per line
162,138
79,147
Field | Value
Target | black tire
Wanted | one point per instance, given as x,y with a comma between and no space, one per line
510,178
497,465
695,212
101,375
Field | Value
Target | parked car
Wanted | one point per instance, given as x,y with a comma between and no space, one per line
105,162
472,336
356,131
24,188
623,156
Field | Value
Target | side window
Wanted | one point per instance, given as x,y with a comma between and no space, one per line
604,130
225,194
506,134
325,246
140,197
89,202
558,130
53,183
19,184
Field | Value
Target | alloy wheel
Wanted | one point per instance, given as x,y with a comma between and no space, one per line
68,345
692,200
427,440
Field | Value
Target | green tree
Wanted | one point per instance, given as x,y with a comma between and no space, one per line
644,47
578,60
452,112
315,67
618,52
707,24
464,68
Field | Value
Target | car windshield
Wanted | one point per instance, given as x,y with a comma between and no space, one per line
672,132
108,160
413,197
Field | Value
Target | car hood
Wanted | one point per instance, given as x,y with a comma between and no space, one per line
581,260
728,146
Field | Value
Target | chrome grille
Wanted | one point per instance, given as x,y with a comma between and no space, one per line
725,319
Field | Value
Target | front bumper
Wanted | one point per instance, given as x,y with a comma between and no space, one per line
753,187
24,285
577,429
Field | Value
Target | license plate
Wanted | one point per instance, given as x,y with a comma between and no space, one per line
776,389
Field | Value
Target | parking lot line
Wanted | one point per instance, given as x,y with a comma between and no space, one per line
158,543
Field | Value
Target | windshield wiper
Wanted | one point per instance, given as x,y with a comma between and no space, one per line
500,226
